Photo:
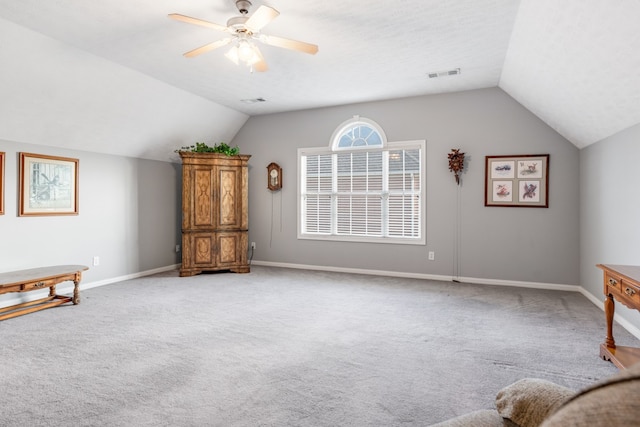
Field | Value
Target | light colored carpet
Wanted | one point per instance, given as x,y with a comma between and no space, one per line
281,347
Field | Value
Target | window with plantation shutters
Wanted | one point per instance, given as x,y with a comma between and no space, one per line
362,188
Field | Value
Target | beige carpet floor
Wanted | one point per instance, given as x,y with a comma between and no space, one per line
282,347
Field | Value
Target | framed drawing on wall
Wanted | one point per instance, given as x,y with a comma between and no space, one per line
1,183
48,185
518,180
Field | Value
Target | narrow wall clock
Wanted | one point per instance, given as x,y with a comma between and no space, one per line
274,177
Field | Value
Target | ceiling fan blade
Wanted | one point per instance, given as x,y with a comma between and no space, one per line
289,44
196,21
261,17
261,65
208,47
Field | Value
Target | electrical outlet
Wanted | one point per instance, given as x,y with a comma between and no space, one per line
253,245
96,260
432,255
177,248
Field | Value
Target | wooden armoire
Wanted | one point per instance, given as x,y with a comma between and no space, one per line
215,217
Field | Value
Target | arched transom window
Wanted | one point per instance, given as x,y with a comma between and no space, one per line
358,132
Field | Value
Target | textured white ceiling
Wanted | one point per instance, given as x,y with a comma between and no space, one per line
574,63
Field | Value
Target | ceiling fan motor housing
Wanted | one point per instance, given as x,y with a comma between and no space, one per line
243,6
237,23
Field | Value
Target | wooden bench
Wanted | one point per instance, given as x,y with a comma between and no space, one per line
39,278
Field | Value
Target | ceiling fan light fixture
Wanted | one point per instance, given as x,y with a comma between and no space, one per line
244,52
232,54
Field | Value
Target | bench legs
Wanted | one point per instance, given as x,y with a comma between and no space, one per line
76,292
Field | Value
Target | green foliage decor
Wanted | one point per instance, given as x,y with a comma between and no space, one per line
201,147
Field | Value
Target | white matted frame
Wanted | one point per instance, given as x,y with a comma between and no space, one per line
517,181
48,185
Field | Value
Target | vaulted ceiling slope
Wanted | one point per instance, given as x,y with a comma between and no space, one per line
573,63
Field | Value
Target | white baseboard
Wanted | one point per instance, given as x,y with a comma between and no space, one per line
352,270
556,287
630,327
66,288
635,331
90,285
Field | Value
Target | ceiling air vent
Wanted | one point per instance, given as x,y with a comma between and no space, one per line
253,100
453,72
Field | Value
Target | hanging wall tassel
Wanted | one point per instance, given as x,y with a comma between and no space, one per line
456,163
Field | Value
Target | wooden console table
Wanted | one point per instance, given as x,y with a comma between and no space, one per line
621,283
40,278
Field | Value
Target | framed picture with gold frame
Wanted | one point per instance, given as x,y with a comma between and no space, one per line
517,181
48,185
1,183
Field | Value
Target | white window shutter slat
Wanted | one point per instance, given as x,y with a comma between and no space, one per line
367,193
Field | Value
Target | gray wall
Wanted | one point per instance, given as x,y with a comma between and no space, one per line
129,216
59,100
610,210
513,244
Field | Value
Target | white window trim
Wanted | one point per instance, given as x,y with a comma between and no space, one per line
356,120
406,145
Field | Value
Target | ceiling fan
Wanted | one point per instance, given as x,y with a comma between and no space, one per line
242,31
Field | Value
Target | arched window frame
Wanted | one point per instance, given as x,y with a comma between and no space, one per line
355,122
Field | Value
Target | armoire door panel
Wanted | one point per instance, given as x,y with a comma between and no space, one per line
203,200
229,202
204,250
228,248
